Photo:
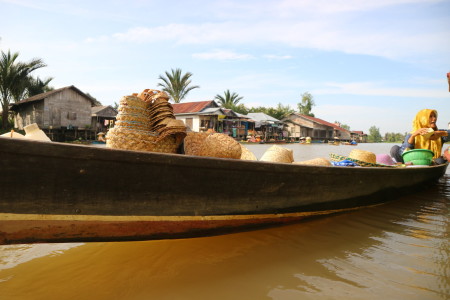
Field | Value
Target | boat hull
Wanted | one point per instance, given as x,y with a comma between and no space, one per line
56,192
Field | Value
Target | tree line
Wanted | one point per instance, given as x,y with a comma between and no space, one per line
374,136
17,83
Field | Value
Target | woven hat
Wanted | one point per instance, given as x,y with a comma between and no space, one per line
13,134
136,122
149,95
141,140
278,154
247,154
193,142
315,162
33,132
132,101
385,159
222,146
361,157
173,127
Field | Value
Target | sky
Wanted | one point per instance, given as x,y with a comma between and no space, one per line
366,63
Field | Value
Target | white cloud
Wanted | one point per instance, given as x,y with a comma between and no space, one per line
339,6
375,89
277,57
328,35
222,55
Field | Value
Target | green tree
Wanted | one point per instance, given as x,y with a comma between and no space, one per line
278,112
306,105
176,84
345,126
38,86
229,100
374,135
14,79
391,137
241,108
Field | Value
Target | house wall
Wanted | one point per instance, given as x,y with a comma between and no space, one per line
306,128
29,114
195,121
63,109
67,108
345,135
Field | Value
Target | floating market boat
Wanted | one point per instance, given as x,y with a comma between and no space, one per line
57,192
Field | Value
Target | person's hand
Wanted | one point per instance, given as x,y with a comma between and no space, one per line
421,131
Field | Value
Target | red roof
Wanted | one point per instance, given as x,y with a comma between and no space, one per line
192,107
324,122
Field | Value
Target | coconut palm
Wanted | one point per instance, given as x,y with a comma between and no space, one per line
229,100
14,79
38,86
176,84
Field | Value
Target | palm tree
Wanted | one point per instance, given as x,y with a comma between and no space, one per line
176,85
38,86
230,100
14,79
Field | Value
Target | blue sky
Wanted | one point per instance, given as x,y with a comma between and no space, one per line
366,63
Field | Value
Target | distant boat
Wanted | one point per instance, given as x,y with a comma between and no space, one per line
58,192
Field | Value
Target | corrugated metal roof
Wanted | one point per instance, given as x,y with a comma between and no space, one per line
262,117
212,111
192,107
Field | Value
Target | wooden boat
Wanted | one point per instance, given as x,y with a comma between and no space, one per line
273,142
56,192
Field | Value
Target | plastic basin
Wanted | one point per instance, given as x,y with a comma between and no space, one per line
418,156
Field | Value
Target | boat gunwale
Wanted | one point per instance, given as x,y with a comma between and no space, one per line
147,157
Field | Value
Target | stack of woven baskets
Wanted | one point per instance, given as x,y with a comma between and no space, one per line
146,122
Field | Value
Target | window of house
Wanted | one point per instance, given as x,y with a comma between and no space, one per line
71,115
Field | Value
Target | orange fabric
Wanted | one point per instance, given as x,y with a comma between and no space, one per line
422,120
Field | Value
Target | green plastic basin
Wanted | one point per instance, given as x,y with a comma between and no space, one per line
422,157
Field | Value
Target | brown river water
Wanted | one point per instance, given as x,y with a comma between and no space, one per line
397,250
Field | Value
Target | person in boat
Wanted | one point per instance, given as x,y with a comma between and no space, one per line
101,137
419,137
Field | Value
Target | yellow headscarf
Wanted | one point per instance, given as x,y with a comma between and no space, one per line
422,120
